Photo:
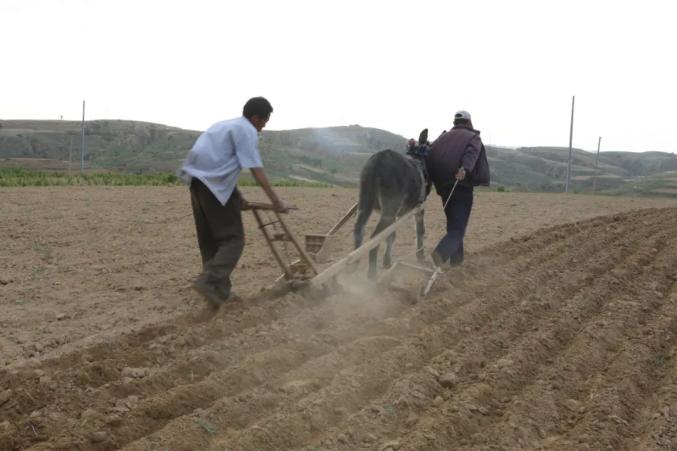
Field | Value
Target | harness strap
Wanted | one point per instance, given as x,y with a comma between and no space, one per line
423,177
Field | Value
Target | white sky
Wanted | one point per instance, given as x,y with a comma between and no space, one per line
399,66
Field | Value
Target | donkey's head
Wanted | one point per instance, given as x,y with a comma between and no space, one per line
418,151
421,148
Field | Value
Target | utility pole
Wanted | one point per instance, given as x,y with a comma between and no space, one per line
571,137
70,155
594,180
82,141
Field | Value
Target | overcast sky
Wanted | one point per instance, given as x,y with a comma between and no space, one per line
395,65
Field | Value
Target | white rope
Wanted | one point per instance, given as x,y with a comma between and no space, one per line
443,209
450,194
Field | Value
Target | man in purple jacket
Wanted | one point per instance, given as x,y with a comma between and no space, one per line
457,157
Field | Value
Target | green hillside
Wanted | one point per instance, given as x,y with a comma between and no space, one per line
114,145
333,155
545,169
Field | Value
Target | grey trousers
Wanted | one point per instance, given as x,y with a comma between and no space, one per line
220,234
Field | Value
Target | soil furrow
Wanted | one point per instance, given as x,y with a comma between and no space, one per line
544,344
279,430
558,393
502,334
198,369
473,409
656,427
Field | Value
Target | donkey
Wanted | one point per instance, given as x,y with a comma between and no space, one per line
394,184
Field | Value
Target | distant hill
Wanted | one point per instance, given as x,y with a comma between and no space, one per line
116,145
545,168
332,155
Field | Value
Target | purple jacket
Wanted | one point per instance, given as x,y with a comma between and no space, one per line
461,146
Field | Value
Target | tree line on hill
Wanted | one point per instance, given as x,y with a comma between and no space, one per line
332,155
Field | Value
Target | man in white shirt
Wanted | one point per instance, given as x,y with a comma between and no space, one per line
212,168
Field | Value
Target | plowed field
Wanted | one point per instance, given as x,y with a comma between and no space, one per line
559,332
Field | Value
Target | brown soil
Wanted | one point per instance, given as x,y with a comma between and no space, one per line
559,332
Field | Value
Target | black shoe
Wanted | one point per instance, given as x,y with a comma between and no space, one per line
214,296
437,259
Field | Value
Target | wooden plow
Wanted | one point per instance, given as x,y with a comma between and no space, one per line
303,270
335,269
279,238
320,246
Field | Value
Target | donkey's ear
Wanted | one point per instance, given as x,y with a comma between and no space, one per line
423,137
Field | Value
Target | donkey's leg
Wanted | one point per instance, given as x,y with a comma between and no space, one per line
360,223
420,234
373,254
365,207
387,257
366,203
385,221
389,215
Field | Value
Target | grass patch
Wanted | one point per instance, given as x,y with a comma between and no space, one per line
660,360
16,177
247,180
208,427
389,409
21,177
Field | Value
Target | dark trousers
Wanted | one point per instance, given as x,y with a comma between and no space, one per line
220,234
450,247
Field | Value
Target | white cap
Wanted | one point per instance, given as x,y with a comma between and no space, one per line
462,114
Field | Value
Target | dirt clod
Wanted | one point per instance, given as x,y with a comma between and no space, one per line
392,445
98,436
448,380
134,373
5,396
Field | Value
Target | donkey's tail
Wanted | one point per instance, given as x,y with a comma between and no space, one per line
368,198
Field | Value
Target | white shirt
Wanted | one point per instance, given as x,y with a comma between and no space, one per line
220,153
